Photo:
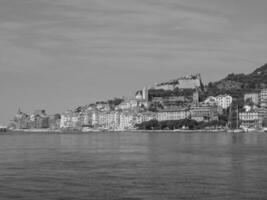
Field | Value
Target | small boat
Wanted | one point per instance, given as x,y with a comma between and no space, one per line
3,129
235,131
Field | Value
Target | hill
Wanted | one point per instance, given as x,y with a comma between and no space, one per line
238,84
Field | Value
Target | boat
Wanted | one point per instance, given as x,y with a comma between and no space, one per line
3,129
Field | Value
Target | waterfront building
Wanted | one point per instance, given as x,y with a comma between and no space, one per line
253,97
70,120
145,116
170,114
108,120
21,120
95,118
250,119
224,101
204,113
127,120
39,119
54,121
3,128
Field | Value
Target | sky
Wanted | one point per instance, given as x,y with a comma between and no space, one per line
59,54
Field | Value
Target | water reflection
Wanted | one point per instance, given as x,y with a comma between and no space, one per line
133,165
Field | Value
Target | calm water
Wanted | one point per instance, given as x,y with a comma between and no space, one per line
133,166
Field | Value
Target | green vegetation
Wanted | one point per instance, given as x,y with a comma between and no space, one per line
180,124
167,93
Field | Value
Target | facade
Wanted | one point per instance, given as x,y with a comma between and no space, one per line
21,120
171,99
224,101
204,113
254,97
127,120
263,98
54,121
131,104
165,115
186,82
250,119
108,120
70,120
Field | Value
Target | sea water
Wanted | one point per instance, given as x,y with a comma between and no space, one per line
133,166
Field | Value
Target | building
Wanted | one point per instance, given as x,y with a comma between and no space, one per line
70,120
54,121
39,119
127,120
169,114
263,98
21,120
204,113
186,82
250,119
145,116
108,120
130,104
212,101
102,106
196,97
253,97
224,101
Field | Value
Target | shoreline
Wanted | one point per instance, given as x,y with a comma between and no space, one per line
127,131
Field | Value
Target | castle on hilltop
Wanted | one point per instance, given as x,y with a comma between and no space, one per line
186,82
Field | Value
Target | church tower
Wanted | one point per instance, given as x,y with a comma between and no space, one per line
196,97
145,94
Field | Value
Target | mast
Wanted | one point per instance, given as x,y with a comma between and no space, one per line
237,118
230,118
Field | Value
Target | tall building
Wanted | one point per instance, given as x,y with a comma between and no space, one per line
145,94
263,98
196,97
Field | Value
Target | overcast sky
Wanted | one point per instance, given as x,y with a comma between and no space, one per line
58,54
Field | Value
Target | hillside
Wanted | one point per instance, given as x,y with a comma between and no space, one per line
255,80
238,84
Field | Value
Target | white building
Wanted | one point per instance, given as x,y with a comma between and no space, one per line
173,114
127,120
69,119
224,101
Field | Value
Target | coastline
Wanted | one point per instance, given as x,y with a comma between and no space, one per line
129,131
